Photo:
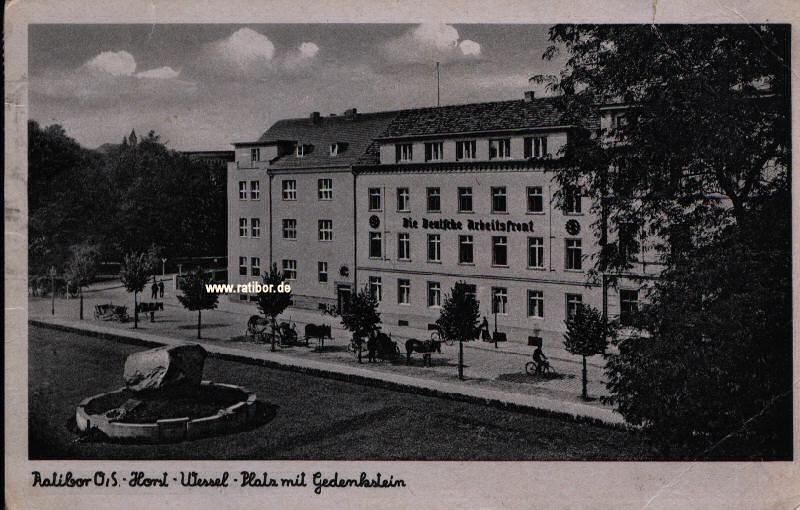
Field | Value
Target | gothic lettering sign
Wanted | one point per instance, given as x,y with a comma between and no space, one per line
469,225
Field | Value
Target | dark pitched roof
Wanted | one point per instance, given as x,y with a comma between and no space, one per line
357,133
480,117
360,134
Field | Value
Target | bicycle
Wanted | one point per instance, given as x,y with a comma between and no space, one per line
533,368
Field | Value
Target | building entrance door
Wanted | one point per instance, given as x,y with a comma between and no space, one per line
342,297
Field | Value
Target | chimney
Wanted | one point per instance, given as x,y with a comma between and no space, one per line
351,113
529,96
315,117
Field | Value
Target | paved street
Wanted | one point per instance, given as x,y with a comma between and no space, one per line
306,417
499,369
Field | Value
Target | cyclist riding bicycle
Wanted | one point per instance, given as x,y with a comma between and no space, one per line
540,359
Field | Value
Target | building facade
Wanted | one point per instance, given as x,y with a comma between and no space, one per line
428,197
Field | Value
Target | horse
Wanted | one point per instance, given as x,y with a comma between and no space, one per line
320,332
423,347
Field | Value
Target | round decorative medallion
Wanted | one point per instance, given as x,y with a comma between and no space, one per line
374,221
344,271
573,227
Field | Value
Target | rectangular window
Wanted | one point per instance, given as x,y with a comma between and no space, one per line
465,253
375,245
289,188
572,201
242,227
536,252
500,300
322,272
434,294
434,248
464,199
374,199
404,152
434,151
535,199
242,190
403,246
573,255
465,150
290,229
500,251
627,243
325,230
242,266
255,154
403,200
255,227
289,269
434,200
302,150
471,290
628,306
499,202
255,190
376,287
536,147
573,302
500,148
325,189
255,266
403,292
536,304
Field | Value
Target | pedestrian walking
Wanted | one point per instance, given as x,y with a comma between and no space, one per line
161,288
154,291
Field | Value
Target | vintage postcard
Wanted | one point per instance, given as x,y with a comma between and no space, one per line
392,254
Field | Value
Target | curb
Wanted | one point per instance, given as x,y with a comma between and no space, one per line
352,378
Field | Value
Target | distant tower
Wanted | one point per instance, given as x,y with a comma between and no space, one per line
132,138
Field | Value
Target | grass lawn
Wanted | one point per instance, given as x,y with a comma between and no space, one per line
309,417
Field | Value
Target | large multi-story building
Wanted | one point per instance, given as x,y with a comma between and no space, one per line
411,202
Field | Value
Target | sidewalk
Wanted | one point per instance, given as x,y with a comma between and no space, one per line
491,376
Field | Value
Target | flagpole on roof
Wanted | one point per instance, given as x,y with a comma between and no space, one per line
437,84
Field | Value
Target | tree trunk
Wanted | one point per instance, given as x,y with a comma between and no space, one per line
272,344
199,313
80,291
585,393
135,312
461,360
359,352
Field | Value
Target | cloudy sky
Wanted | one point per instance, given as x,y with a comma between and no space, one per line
205,86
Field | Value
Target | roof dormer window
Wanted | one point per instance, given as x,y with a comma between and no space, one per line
301,150
337,148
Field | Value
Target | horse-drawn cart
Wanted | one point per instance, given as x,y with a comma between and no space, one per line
111,312
259,330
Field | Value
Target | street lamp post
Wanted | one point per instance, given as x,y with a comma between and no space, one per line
52,290
496,309
163,266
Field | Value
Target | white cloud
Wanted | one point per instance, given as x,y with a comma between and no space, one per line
309,50
115,63
470,48
440,36
300,58
430,42
109,76
159,73
243,52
